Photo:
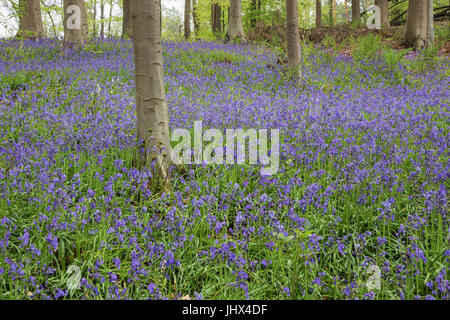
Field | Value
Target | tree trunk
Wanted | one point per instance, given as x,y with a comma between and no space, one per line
334,12
293,40
356,13
187,19
195,18
384,10
94,22
102,18
215,18
430,30
75,23
254,6
416,23
318,13
330,11
111,3
30,19
126,22
235,28
346,11
151,105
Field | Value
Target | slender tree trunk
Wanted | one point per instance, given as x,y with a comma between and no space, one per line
330,12
102,18
318,13
94,22
52,21
218,18
235,28
346,11
75,23
416,22
384,10
195,18
111,4
151,104
254,6
334,12
293,40
30,19
126,22
430,29
187,19
356,13
215,18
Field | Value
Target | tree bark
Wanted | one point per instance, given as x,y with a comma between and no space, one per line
94,23
430,29
318,13
384,10
356,13
416,23
334,12
215,18
187,19
127,30
235,28
30,19
293,40
195,18
151,105
75,36
111,3
102,18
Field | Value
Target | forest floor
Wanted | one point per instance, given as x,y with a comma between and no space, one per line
358,208
342,38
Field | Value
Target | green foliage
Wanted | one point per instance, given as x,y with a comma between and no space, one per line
366,48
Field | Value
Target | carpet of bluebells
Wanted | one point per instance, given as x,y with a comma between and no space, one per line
362,186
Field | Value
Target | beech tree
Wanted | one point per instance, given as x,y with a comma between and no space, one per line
151,104
30,19
187,19
384,11
75,23
235,28
416,23
293,40
356,13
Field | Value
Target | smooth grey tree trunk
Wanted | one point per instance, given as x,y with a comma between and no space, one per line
75,37
356,13
187,19
293,40
384,10
30,19
235,28
151,105
416,23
